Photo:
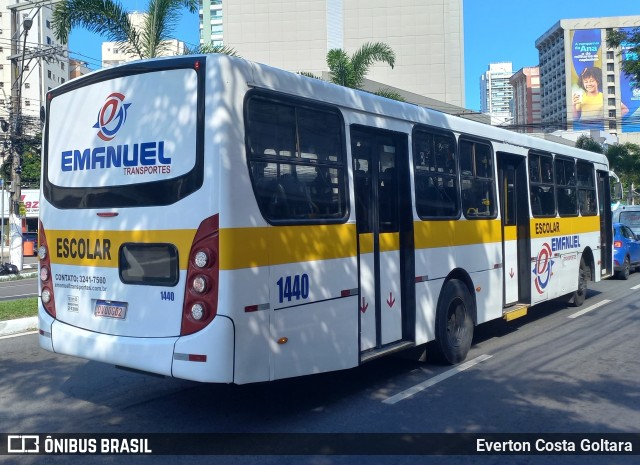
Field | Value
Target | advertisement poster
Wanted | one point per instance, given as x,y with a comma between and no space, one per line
587,100
629,97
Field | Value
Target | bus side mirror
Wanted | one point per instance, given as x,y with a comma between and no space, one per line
617,191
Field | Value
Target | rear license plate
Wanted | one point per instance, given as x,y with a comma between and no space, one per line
109,309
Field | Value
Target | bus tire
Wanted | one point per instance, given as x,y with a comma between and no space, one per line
579,295
454,324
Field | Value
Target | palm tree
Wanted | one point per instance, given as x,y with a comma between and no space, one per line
350,71
110,19
210,48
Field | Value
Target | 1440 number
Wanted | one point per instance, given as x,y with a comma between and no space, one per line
293,287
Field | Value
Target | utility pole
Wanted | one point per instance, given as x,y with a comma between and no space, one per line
19,32
17,70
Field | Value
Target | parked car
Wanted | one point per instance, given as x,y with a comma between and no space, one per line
626,254
628,215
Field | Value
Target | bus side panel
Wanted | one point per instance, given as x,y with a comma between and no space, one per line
426,303
244,297
321,337
488,294
483,263
319,324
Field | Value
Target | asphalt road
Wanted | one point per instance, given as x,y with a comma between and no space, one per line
560,369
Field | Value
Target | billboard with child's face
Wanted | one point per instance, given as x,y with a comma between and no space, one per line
587,100
629,110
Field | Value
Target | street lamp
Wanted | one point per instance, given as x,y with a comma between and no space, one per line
15,217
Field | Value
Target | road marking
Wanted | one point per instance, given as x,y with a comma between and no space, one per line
588,309
435,380
637,286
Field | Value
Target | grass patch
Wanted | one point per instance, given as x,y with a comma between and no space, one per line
20,308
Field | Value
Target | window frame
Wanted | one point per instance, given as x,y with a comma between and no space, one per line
435,132
539,183
573,186
474,178
587,188
299,161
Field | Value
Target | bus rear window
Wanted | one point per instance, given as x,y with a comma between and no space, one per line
126,138
149,264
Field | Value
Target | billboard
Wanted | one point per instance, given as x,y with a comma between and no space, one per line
629,96
30,199
587,100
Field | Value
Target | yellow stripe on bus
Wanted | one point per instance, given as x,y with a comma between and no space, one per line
510,233
277,245
547,227
430,234
251,247
101,248
366,243
388,242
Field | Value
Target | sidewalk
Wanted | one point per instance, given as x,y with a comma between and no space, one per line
21,325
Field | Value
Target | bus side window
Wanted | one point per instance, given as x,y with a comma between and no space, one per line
296,159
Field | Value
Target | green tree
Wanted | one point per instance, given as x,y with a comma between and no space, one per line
109,18
587,143
624,160
350,71
29,146
630,65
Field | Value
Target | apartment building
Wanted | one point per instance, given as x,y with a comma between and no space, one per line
211,24
44,66
525,105
427,37
581,83
496,93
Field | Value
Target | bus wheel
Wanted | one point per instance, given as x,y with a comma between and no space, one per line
454,326
577,298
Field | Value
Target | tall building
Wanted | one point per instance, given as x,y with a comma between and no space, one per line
44,66
211,24
77,68
582,85
427,38
525,106
113,53
496,93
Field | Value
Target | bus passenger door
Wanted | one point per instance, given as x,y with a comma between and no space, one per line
514,207
385,237
606,225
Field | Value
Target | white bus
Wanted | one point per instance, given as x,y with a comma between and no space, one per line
218,220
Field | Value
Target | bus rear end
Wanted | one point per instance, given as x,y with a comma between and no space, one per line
128,264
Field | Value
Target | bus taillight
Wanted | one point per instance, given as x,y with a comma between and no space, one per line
46,285
201,293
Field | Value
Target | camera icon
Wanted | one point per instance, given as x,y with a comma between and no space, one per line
23,444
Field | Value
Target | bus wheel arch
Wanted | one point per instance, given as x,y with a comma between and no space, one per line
455,319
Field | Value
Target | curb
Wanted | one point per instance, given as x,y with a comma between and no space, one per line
22,275
21,325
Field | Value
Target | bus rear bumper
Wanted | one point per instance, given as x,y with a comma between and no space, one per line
204,356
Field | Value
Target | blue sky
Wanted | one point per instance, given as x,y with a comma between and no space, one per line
494,31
